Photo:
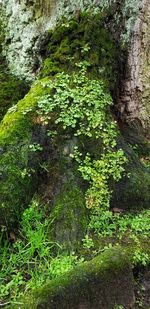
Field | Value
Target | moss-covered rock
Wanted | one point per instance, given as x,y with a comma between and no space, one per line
102,283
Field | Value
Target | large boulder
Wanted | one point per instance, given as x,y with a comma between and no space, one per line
104,282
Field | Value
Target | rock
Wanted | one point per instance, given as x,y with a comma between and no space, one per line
101,283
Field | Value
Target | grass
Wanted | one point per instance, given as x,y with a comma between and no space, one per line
29,259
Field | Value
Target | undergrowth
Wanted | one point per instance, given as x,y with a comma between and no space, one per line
29,259
32,259
129,230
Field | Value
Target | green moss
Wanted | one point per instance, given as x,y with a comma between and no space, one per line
18,121
102,278
69,216
18,165
11,90
50,67
74,40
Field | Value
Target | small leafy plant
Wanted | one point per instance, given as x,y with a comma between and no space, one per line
118,307
35,147
126,229
140,257
82,105
106,224
88,242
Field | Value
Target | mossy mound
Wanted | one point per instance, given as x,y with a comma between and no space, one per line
83,38
103,282
20,133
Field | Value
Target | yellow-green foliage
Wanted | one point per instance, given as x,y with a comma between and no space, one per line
81,106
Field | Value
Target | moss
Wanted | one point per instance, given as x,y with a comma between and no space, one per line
50,67
99,283
18,165
74,40
69,216
20,119
11,91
